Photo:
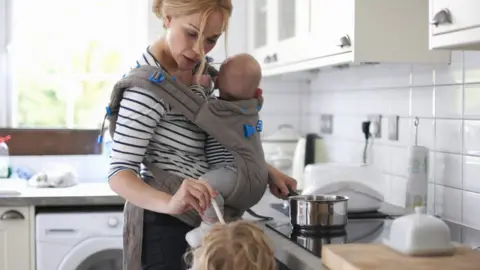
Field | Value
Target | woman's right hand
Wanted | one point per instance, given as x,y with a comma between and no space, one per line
192,194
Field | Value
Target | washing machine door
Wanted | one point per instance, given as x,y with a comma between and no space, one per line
95,254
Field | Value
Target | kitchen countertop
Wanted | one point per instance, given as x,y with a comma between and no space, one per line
288,253
79,195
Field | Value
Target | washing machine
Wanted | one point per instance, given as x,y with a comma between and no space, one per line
79,241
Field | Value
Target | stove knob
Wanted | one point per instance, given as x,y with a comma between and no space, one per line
112,222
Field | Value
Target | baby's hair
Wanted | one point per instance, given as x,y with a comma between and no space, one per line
178,8
239,245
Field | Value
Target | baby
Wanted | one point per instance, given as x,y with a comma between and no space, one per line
239,245
238,79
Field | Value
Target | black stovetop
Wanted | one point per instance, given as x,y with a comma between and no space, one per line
356,231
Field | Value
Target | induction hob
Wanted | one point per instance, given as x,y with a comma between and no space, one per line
356,231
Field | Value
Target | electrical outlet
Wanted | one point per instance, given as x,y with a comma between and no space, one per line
375,125
326,123
393,127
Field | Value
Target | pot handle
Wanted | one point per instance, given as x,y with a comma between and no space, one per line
291,192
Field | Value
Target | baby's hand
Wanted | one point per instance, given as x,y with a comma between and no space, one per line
202,80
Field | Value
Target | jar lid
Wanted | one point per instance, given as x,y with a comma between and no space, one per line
284,133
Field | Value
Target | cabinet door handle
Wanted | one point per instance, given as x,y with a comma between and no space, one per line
11,215
267,60
442,17
274,57
345,42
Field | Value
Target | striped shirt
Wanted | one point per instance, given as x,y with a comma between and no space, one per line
147,128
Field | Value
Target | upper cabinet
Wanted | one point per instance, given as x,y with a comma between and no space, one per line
235,40
294,35
455,24
274,29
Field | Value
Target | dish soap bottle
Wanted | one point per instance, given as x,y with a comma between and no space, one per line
4,158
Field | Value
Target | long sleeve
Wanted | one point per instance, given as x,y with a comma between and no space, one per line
139,115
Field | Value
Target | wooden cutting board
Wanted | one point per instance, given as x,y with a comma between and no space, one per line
381,257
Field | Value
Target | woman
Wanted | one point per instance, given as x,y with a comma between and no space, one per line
149,129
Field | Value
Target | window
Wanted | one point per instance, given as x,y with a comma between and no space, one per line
60,59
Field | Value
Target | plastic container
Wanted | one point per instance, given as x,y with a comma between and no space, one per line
4,157
417,179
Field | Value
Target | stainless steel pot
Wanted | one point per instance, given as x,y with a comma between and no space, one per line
318,213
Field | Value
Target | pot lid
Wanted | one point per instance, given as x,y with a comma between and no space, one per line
284,132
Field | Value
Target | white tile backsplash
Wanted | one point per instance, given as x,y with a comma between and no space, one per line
471,209
471,135
472,101
448,101
422,101
448,170
448,135
471,173
448,203
445,98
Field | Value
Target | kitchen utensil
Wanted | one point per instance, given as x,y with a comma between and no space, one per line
318,213
217,211
420,234
381,257
310,149
279,147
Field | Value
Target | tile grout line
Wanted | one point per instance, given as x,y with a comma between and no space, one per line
434,90
463,141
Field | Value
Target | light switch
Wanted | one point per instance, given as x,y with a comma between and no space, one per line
326,123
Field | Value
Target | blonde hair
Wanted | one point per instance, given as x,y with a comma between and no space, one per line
239,245
178,8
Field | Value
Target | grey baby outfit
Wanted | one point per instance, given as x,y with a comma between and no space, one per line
234,124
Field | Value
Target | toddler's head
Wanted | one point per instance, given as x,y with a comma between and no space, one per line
239,77
239,245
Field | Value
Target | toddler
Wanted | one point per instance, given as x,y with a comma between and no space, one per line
239,245
238,79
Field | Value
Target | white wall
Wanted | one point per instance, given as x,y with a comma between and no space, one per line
447,101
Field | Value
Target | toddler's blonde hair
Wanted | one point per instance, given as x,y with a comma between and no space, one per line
178,8
239,245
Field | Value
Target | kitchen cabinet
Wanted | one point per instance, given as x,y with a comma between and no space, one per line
455,24
16,238
235,40
324,33
276,28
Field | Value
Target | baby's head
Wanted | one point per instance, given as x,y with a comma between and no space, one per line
239,245
239,77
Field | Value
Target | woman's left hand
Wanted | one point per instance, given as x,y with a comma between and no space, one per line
280,182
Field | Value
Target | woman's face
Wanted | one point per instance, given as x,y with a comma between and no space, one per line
183,33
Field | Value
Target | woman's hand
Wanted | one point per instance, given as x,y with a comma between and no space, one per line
192,194
280,182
